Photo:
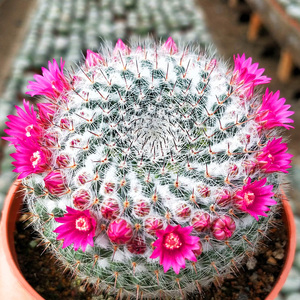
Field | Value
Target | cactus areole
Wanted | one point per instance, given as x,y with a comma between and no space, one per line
152,169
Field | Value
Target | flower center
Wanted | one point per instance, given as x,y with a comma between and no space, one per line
172,241
249,197
28,129
35,158
82,224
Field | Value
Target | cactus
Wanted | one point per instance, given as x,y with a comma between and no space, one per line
151,171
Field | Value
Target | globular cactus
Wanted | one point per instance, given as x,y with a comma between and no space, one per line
151,171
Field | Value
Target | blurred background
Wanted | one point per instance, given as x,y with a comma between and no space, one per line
35,31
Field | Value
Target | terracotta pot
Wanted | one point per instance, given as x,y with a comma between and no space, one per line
13,285
291,248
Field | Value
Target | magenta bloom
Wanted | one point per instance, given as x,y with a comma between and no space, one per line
24,126
55,183
254,198
30,158
93,59
170,46
174,245
273,112
46,113
274,158
247,73
52,83
122,48
78,228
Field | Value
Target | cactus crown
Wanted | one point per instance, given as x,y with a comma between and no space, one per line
150,170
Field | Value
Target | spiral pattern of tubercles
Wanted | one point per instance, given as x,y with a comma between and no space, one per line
148,140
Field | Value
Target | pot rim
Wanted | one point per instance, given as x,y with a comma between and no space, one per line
290,250
8,226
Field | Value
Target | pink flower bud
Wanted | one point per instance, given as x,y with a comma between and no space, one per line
223,198
110,209
152,224
233,170
170,46
201,221
139,49
50,140
66,123
119,232
63,160
211,65
199,251
81,199
141,208
109,187
249,166
223,228
83,178
46,112
121,48
137,245
204,191
55,183
93,59
183,211
75,142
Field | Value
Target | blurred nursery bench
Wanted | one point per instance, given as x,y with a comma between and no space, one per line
282,20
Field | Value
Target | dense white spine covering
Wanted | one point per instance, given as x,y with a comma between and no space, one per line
157,128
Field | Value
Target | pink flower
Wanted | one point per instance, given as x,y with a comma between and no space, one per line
170,46
121,48
23,127
30,158
255,197
55,183
120,232
93,59
174,245
246,73
273,157
52,83
273,112
223,228
78,228
46,113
